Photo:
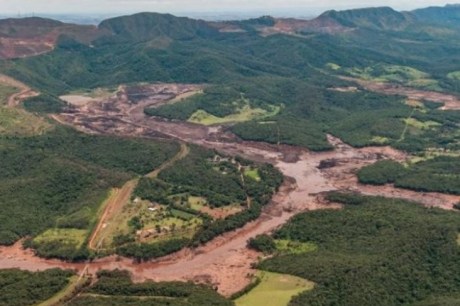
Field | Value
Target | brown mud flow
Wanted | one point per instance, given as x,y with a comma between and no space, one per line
225,262
450,102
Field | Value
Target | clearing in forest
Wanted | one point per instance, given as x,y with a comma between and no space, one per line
246,113
274,290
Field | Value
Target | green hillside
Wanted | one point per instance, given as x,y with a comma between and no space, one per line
375,251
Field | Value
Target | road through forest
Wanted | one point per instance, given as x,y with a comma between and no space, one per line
225,262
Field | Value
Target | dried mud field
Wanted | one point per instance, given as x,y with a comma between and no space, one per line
225,262
450,102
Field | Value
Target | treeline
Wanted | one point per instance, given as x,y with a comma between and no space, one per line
219,101
284,130
19,288
60,178
146,251
262,243
116,288
203,173
292,75
375,252
261,194
45,104
440,174
211,230
219,182
59,249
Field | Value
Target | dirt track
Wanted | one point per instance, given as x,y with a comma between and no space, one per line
113,205
24,93
226,262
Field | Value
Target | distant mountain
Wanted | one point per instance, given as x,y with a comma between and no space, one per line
27,27
381,18
33,36
448,15
148,26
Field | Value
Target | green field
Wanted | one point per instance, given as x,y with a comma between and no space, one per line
454,75
247,113
421,125
394,73
67,236
274,290
286,246
198,207
252,173
196,203
17,122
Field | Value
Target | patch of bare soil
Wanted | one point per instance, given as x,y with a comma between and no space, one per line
345,89
450,102
24,93
31,37
225,262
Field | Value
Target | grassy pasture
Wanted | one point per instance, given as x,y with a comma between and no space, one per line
182,215
421,125
246,113
455,75
380,140
165,223
196,203
274,290
17,122
68,236
394,73
294,247
252,173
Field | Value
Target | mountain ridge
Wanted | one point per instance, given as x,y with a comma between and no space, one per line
33,36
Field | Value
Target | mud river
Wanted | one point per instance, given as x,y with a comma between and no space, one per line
224,262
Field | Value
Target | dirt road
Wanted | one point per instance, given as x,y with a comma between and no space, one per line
113,205
120,197
24,93
183,152
226,262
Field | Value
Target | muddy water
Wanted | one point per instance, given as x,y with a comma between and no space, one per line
226,262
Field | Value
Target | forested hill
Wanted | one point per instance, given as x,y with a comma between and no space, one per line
448,15
376,18
148,26
34,36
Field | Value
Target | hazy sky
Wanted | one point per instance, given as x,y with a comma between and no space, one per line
184,6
